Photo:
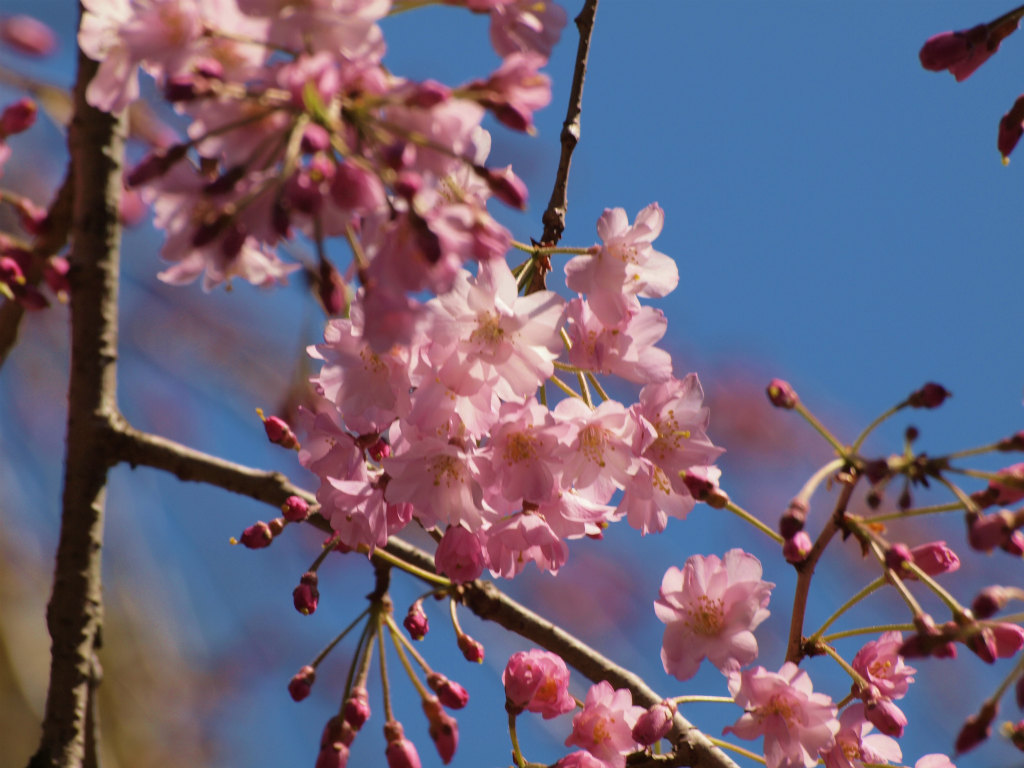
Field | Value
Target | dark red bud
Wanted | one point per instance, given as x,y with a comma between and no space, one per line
797,548
931,395
471,649
356,710
302,683
415,622
256,536
781,394
990,601
977,728
793,519
295,509
306,596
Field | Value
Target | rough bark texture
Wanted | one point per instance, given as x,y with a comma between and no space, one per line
75,612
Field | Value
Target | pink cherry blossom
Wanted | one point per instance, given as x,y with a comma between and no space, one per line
439,478
515,91
625,350
856,746
600,443
604,727
526,25
711,607
624,266
516,540
797,724
880,664
459,555
538,681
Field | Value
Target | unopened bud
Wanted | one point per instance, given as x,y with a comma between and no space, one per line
797,548
400,752
505,186
27,35
654,724
781,394
886,717
977,728
451,694
934,558
444,729
471,649
1014,442
793,519
302,683
356,710
306,595
415,622
278,431
931,395
256,536
18,117
295,509
990,601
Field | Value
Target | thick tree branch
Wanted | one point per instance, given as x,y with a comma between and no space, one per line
74,614
481,597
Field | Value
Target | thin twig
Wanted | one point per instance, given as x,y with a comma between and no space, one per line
554,216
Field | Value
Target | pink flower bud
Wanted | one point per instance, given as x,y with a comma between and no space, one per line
331,289
459,555
886,717
986,532
705,489
278,432
505,186
356,710
379,449
334,755
27,35
336,731
300,685
896,556
471,649
990,601
1009,639
18,117
537,681
451,694
10,271
964,51
306,595
934,559
256,536
797,548
931,395
400,752
444,729
428,94
793,519
1014,442
1010,486
1010,129
1014,544
315,138
652,726
781,394
295,509
415,622
977,728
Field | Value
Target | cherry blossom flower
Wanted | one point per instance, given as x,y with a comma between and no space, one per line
797,724
600,443
624,266
934,760
856,746
625,350
538,681
514,541
604,727
439,478
880,664
515,90
711,607
526,25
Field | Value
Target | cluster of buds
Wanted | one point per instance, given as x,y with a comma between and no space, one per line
999,529
988,640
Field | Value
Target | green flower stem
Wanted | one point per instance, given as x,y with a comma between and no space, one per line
703,699
737,749
385,687
816,479
934,586
867,590
330,646
859,681
874,425
517,753
867,631
396,633
416,571
968,452
396,638
742,513
548,250
811,419
966,500
934,509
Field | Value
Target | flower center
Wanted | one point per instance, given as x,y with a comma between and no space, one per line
705,616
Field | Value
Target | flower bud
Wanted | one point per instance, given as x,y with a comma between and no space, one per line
652,726
990,601
703,488
934,559
331,289
793,519
18,117
256,536
781,394
444,729
415,622
797,548
886,717
278,431
334,755
306,595
300,685
356,710
931,395
27,35
155,165
505,186
471,649
1011,128
400,752
1014,442
977,728
896,556
451,694
295,509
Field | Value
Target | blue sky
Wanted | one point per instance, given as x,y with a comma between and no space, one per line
840,219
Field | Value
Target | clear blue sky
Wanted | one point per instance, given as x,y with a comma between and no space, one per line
840,218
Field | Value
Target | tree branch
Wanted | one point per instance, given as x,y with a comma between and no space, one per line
482,597
74,614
